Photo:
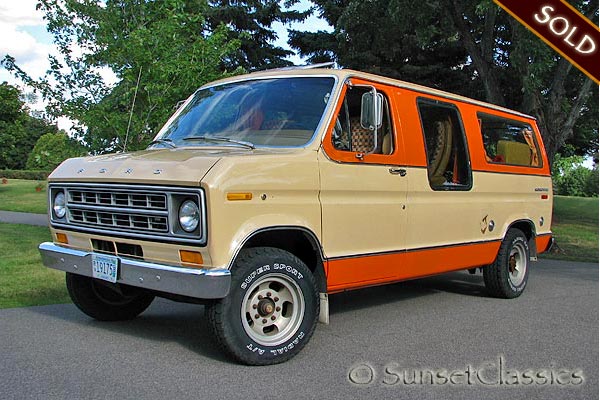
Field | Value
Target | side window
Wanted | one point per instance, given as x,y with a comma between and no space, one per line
355,135
508,142
448,166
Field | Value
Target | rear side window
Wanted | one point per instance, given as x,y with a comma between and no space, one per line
448,166
508,142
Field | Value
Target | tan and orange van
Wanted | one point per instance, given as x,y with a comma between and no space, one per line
265,193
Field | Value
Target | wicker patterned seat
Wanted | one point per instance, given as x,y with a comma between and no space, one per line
362,138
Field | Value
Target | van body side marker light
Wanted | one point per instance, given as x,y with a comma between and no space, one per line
239,196
544,197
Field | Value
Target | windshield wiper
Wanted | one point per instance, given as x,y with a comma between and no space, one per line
221,139
168,142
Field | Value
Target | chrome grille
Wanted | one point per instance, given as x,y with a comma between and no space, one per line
148,212
154,201
120,220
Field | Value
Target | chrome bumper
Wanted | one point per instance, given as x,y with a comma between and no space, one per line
198,283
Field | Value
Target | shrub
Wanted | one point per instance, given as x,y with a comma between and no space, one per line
22,174
571,178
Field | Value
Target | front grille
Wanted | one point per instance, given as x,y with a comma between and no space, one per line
137,211
152,201
120,220
128,210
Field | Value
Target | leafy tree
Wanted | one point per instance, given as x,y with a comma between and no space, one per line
376,36
571,178
159,51
475,48
51,149
520,71
18,129
11,106
251,23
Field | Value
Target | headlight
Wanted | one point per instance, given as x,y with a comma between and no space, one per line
189,216
59,205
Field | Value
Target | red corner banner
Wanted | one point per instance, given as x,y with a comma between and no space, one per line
563,28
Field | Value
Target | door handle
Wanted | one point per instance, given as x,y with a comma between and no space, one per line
398,171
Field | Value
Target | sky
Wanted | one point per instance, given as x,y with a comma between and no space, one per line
24,36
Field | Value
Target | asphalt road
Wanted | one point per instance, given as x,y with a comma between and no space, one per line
543,345
13,217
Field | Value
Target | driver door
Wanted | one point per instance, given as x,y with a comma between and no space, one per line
363,189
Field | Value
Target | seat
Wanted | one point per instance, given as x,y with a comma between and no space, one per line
438,161
362,138
515,153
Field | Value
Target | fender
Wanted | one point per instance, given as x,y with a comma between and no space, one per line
531,233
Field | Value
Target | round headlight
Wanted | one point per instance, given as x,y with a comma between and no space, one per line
59,205
189,216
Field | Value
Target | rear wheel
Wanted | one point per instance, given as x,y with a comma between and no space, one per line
507,276
106,301
271,311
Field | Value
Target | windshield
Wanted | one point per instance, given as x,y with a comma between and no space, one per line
281,112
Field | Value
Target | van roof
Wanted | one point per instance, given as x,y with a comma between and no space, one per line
343,74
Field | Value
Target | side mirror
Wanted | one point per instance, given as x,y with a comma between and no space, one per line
371,111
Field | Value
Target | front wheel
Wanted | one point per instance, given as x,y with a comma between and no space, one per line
507,276
271,311
106,301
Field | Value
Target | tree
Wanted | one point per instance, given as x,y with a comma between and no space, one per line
251,23
495,58
18,129
520,71
371,36
571,178
159,51
51,149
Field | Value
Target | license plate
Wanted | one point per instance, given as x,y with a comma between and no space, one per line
105,267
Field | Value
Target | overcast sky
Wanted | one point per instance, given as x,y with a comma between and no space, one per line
23,35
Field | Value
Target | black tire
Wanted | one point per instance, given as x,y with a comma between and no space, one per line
507,277
280,292
107,301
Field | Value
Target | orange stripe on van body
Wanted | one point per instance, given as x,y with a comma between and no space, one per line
368,270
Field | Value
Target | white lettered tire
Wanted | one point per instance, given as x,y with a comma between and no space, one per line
272,308
507,276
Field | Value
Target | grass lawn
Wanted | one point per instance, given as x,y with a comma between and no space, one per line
20,195
575,228
24,281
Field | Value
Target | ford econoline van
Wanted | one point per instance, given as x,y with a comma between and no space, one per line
266,193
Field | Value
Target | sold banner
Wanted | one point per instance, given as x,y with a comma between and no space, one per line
563,28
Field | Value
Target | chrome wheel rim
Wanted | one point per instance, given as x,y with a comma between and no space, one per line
517,264
272,310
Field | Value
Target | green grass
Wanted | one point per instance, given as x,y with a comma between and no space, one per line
24,281
575,229
20,195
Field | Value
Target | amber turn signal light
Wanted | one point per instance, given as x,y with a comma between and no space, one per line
62,238
190,257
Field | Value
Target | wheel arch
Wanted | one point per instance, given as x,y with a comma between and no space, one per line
299,241
526,226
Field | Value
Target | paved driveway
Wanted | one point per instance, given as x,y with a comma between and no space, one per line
435,338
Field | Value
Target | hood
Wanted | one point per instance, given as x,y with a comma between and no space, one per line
184,167
177,167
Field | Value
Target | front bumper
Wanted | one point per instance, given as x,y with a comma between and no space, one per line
197,283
